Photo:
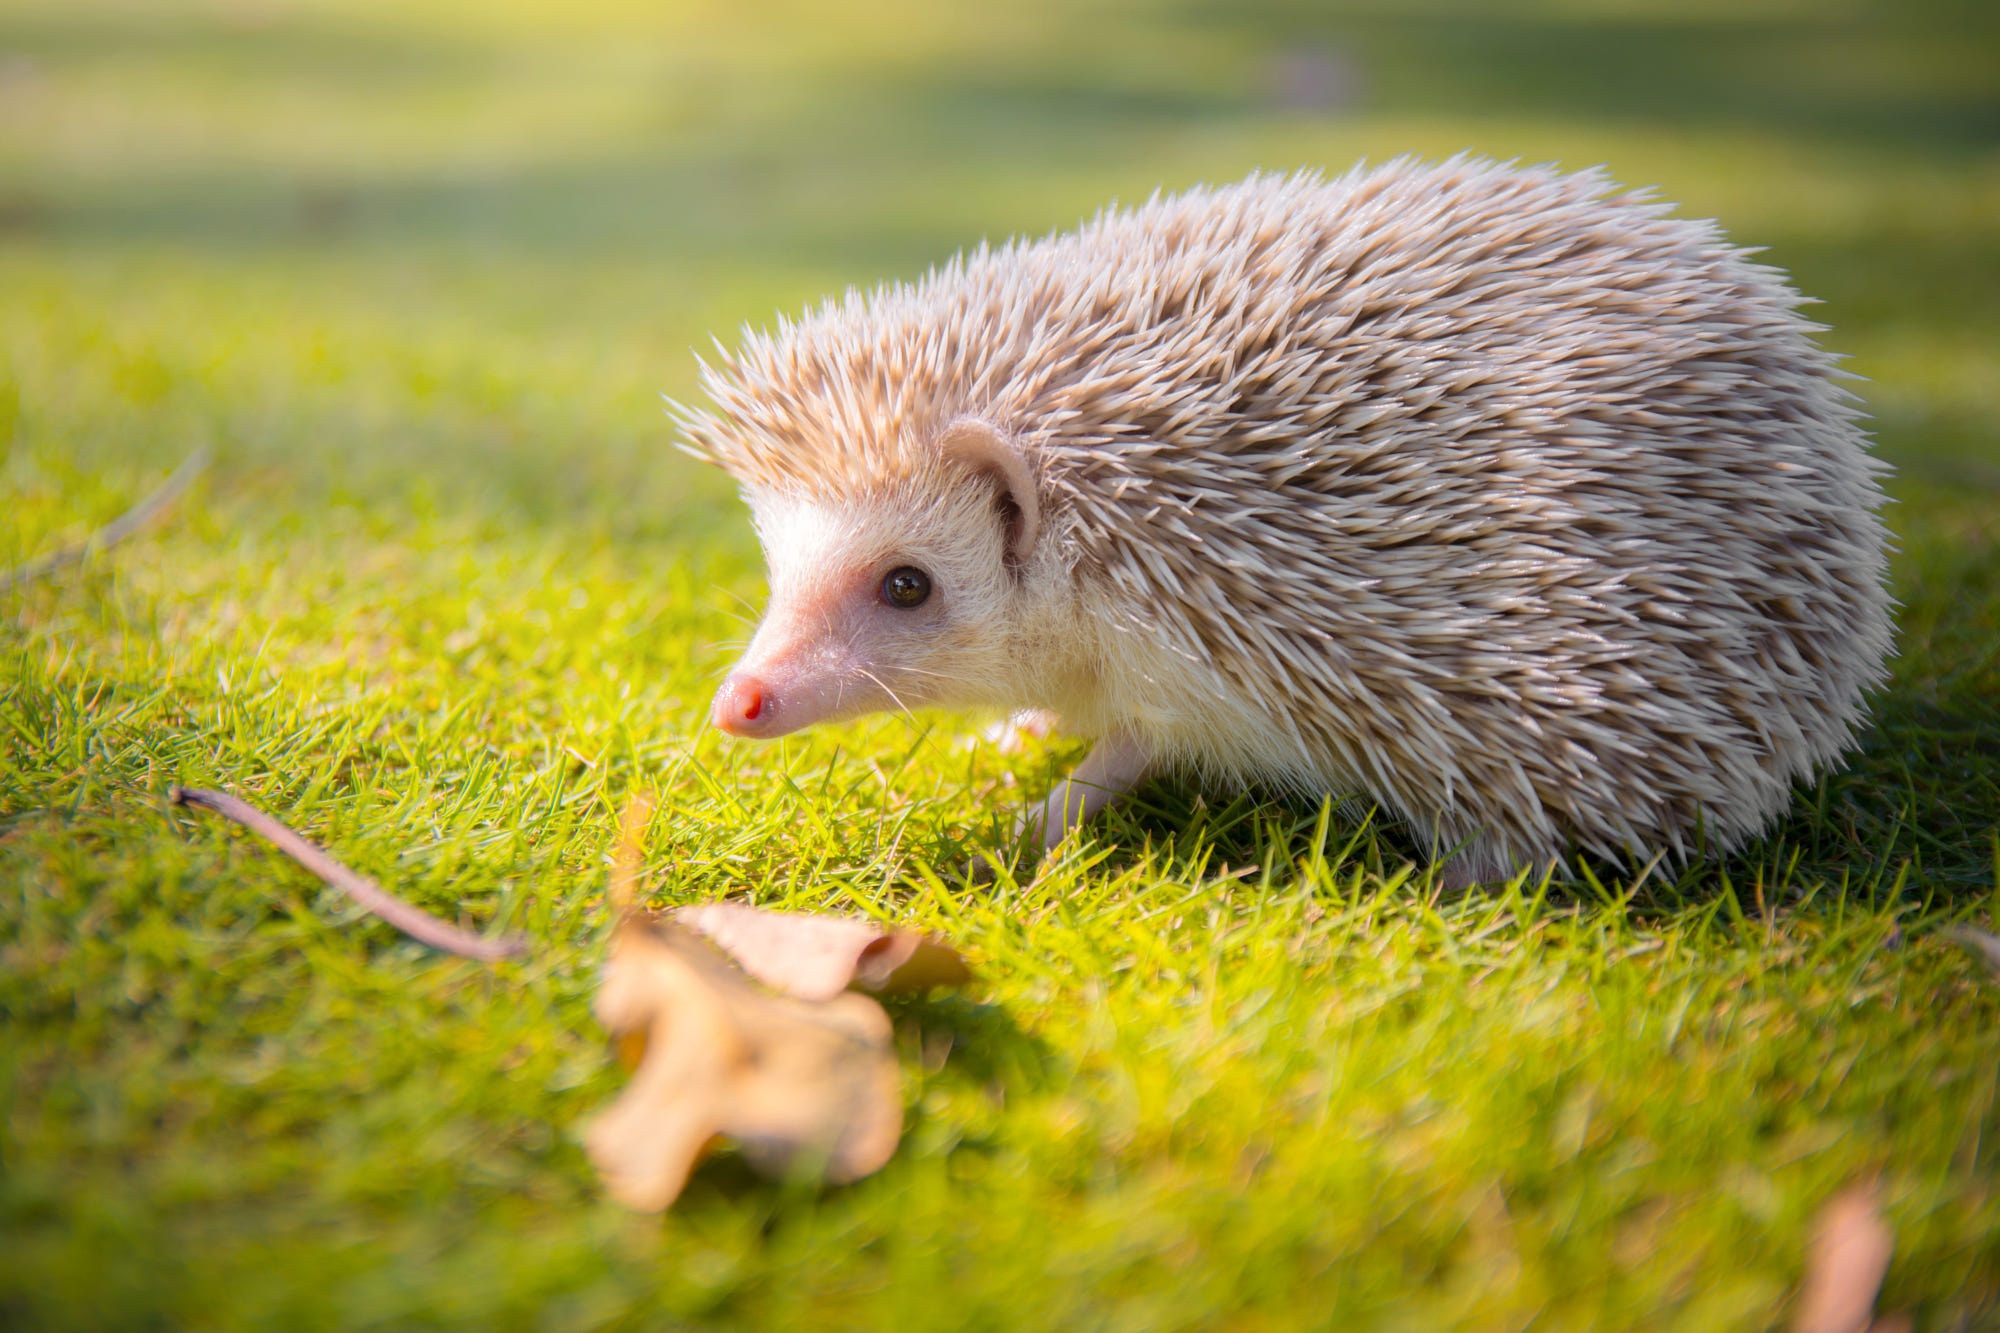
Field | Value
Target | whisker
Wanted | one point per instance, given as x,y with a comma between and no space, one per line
886,690
919,671
749,614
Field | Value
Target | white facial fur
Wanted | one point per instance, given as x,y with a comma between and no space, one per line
832,646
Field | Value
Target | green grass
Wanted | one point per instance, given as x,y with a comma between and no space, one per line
417,273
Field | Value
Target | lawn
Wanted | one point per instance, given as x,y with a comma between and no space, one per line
416,274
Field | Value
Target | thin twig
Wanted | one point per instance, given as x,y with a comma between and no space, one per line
411,920
118,529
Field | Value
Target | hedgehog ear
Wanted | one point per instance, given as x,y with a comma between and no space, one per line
984,449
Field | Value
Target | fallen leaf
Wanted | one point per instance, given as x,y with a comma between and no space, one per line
794,1084
803,1080
817,957
1850,1254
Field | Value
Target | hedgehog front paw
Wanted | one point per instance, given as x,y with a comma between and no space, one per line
1117,764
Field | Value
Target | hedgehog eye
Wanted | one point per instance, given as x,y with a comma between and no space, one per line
906,586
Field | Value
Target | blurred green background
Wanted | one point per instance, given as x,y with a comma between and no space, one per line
417,273
312,209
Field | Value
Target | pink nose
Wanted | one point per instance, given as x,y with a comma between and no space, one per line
743,706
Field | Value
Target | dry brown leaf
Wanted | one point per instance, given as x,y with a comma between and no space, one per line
1850,1255
818,957
794,1084
802,1080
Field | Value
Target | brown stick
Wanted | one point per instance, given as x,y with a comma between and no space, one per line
411,920
118,529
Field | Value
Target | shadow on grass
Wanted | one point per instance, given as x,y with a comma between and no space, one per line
1915,811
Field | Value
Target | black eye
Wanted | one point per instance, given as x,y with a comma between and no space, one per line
906,587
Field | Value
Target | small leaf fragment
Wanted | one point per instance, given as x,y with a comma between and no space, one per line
817,957
1850,1255
628,855
794,1084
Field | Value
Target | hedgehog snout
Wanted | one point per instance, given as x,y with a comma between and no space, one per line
744,706
784,684
771,698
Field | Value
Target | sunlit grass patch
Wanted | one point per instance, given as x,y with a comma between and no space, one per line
416,277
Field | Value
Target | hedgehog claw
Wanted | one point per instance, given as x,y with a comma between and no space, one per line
1011,735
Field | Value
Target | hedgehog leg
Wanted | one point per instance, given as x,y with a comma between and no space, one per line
1118,764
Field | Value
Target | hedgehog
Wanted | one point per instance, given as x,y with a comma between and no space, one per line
1492,497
